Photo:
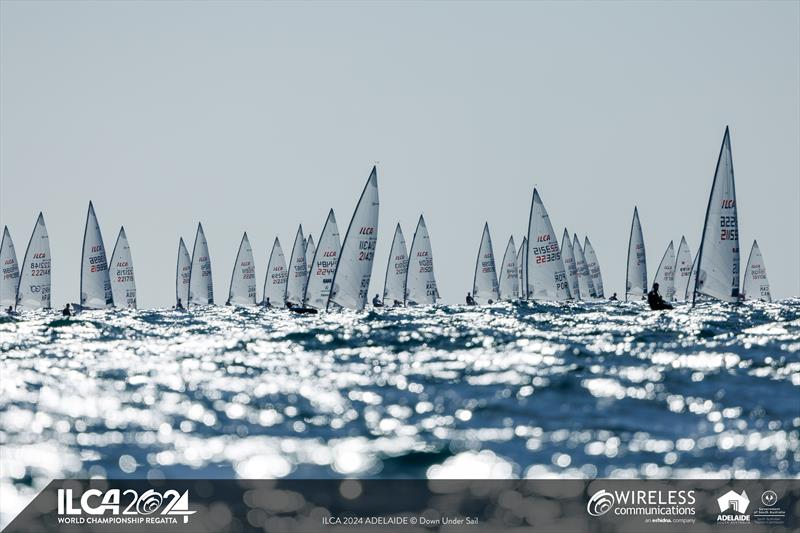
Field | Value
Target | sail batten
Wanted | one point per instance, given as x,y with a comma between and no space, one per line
420,279
123,283
485,288
394,284
276,278
323,265
546,279
756,284
34,279
665,274
95,280
509,272
636,274
9,271
242,290
201,285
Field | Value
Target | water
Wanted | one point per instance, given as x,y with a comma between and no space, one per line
583,390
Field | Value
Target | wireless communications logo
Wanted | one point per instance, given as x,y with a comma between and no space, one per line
600,503
665,506
115,506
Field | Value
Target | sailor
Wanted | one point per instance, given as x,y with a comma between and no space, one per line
289,304
398,303
470,299
376,302
66,311
228,301
10,310
614,297
655,300
179,305
266,302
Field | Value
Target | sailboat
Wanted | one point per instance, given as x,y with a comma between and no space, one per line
594,268
394,284
95,281
692,283
123,284
183,271
570,268
276,278
756,284
522,271
9,282
584,277
201,284
665,275
323,265
298,272
420,279
242,290
509,273
546,279
484,284
354,269
682,270
718,257
311,249
636,275
34,276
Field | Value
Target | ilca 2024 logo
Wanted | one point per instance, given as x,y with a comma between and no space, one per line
115,506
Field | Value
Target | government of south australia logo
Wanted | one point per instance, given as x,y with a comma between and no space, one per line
600,503
733,507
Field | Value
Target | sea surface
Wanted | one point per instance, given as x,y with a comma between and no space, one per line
510,390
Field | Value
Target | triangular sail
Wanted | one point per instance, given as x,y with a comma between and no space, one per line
323,265
394,284
354,270
594,268
183,272
298,271
311,249
570,267
665,275
584,277
421,281
692,280
123,284
718,258
546,279
682,270
636,276
95,281
34,276
276,278
242,290
756,284
484,283
522,271
9,278
201,285
509,273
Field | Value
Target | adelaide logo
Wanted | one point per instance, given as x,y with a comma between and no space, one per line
600,503
733,507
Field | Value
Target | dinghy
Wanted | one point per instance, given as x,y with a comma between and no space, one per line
420,279
298,272
242,290
636,275
509,273
692,280
183,272
594,268
311,249
34,276
682,270
570,268
522,271
584,277
354,269
201,285
756,284
323,265
9,282
484,284
123,285
665,275
546,279
718,257
95,281
394,284
276,278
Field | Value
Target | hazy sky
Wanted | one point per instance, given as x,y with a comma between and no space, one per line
259,116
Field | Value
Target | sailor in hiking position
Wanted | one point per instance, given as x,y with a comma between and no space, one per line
376,302
655,300
470,299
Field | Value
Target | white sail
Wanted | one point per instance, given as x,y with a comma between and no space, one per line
584,277
323,265
201,285
636,276
665,275
594,268
182,274
546,279
756,284
420,280
484,284
718,258
509,273
311,249
276,278
242,290
298,271
522,271
123,284
95,281
34,276
682,270
570,267
9,282
692,280
394,284
354,270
